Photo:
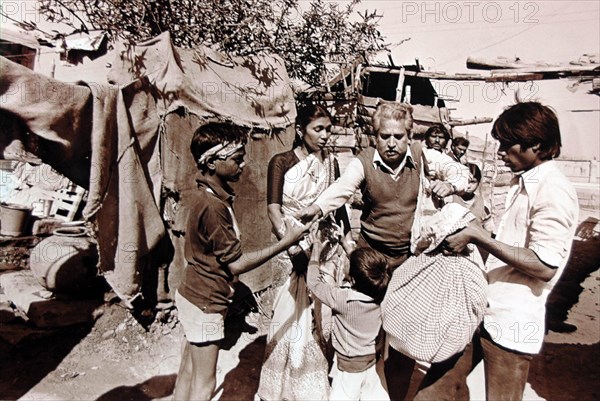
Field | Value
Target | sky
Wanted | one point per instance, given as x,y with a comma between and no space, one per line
444,33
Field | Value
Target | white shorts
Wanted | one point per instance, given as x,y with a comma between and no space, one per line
367,385
198,326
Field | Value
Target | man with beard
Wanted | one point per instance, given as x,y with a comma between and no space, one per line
437,138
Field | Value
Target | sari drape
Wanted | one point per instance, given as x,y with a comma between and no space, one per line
295,366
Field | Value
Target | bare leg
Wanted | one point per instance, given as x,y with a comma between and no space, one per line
198,372
182,384
204,366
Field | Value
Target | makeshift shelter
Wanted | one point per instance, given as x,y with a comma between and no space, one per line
392,84
20,47
355,92
128,143
78,46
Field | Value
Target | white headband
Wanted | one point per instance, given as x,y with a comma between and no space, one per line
221,151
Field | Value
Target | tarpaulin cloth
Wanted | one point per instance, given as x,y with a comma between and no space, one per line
80,41
10,34
250,91
106,138
79,124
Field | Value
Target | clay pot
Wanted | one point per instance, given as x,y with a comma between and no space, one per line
64,263
13,219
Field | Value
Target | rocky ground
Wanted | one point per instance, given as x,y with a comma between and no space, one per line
123,357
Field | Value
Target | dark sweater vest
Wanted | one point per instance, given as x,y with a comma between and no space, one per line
389,205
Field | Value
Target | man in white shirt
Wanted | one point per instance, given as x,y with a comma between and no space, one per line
436,141
527,258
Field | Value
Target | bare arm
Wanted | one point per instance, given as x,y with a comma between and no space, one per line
442,188
348,243
453,177
336,194
522,259
278,166
317,248
251,260
276,218
323,291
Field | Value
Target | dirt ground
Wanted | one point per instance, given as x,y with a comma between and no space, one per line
118,359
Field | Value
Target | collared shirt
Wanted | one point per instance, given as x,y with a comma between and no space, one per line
357,317
223,192
211,243
395,173
541,214
344,187
440,165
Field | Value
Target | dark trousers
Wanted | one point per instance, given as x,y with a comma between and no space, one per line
395,259
505,372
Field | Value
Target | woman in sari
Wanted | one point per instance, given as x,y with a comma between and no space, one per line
295,365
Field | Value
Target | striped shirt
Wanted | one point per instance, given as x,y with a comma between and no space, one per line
356,316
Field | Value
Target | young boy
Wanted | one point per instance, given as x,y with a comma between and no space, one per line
214,256
473,200
527,257
356,322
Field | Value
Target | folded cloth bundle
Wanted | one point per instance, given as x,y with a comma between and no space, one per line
435,302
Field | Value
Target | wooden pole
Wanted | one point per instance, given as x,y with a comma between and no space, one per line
400,85
471,121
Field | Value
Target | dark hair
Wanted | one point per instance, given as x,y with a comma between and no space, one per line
214,133
475,171
529,124
438,128
461,140
310,112
369,270
306,114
